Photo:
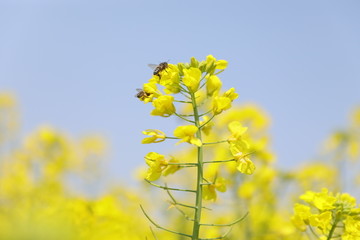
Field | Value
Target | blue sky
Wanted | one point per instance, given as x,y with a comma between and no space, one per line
76,65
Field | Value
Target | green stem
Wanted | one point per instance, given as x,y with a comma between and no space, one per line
220,161
219,72
172,138
203,114
183,118
169,188
180,101
209,143
333,228
183,164
198,201
207,122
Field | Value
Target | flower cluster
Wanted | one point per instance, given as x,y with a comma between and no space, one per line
196,84
192,92
332,215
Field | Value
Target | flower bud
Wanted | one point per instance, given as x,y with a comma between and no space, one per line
194,62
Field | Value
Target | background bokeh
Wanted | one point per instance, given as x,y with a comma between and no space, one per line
76,64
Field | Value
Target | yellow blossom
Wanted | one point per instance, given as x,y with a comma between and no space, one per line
231,94
170,79
164,106
221,64
155,136
220,104
237,130
191,79
352,228
194,62
212,63
213,85
237,142
322,220
322,201
301,216
347,200
150,91
223,103
244,164
209,190
157,163
187,134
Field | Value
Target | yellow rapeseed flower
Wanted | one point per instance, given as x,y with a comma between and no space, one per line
322,220
209,190
347,200
211,63
322,201
157,163
187,134
237,130
352,228
155,136
191,79
237,142
220,104
221,64
244,164
223,103
231,94
151,91
164,106
170,79
213,85
301,216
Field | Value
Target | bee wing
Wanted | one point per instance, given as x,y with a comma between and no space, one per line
153,66
137,94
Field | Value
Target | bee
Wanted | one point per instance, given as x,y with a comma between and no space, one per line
141,94
159,68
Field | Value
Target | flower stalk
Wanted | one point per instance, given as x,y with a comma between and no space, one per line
200,173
